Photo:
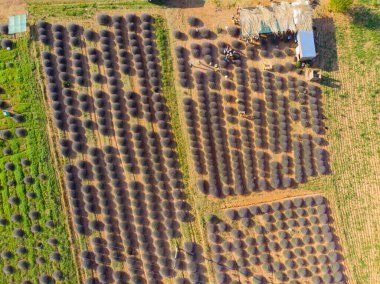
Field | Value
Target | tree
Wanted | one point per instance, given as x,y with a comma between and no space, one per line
340,6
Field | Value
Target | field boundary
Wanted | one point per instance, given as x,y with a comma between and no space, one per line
173,102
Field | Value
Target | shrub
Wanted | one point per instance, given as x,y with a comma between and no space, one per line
228,85
8,269
34,215
57,275
277,52
14,200
146,18
5,134
340,6
7,151
23,264
6,255
31,195
233,31
205,33
55,256
232,214
264,53
44,39
50,224
18,233
193,21
237,44
104,20
36,228
4,29
75,42
9,166
6,43
277,67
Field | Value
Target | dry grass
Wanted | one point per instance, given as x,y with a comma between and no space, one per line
352,110
10,7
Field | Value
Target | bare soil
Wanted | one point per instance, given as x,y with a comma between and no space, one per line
10,8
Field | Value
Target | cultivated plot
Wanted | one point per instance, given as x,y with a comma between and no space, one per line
121,168
285,241
254,122
34,244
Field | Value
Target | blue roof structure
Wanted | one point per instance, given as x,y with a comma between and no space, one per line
306,46
17,24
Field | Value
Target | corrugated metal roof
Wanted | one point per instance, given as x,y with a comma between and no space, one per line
17,24
306,45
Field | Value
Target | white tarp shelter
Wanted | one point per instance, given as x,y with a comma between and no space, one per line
16,24
276,19
306,46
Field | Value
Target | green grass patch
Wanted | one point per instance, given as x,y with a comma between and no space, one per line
351,109
83,9
168,89
23,96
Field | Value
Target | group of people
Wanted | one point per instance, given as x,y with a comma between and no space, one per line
230,54
250,40
236,18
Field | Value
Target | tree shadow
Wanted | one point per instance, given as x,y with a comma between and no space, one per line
325,40
365,17
179,3
330,82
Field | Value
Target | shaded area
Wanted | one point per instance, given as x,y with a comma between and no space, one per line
325,40
179,3
365,17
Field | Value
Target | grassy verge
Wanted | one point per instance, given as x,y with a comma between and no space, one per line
168,90
351,103
82,9
195,230
22,95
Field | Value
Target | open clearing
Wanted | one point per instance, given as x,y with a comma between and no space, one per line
154,156
10,8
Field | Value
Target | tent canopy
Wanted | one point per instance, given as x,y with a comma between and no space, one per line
276,18
17,24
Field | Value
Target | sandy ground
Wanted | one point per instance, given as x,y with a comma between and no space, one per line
11,7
